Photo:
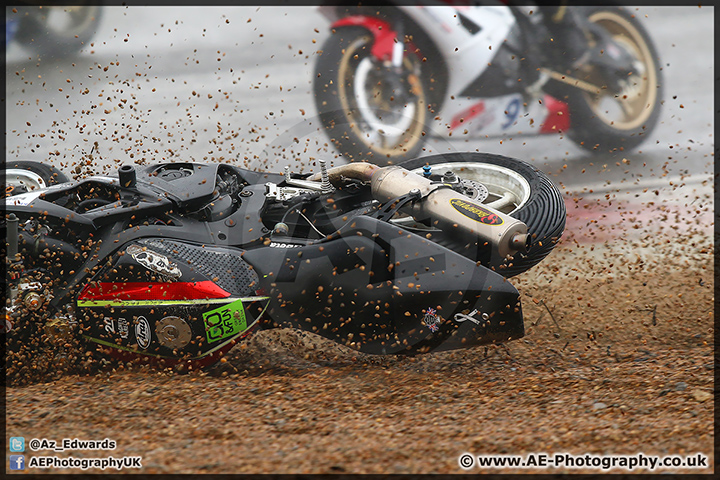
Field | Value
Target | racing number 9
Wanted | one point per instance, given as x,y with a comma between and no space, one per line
511,112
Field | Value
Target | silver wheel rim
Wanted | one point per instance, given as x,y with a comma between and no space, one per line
15,177
377,127
62,20
508,190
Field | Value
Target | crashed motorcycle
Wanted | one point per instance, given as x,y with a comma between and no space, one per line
390,77
177,262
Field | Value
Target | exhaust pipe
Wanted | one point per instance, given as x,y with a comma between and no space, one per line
443,207
452,211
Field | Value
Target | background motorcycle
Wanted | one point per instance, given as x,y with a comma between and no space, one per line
174,263
52,30
391,76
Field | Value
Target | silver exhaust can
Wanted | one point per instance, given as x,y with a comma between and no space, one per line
451,211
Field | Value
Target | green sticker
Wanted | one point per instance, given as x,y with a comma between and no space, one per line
225,321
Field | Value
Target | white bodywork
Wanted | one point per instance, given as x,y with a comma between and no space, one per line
467,55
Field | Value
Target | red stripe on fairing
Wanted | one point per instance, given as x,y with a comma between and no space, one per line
558,117
381,30
152,291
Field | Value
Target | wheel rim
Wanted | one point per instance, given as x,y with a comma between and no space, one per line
395,122
508,191
634,105
68,20
15,177
383,125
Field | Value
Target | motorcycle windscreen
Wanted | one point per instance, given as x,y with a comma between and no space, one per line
380,289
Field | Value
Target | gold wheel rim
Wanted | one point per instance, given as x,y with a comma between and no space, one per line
637,101
359,49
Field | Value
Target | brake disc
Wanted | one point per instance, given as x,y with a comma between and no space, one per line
475,190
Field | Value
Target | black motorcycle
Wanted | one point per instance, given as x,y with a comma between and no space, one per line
174,263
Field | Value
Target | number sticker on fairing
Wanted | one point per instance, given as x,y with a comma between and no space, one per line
225,321
511,112
475,212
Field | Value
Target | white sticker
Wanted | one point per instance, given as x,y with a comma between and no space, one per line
123,327
459,317
109,324
284,245
154,261
23,199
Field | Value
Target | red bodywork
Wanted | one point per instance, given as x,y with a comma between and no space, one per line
558,117
557,120
381,31
152,291
467,115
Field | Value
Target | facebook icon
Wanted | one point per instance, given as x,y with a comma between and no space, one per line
17,462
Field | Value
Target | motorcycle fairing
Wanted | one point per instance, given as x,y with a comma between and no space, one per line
474,102
380,289
493,24
191,310
112,223
470,54
382,32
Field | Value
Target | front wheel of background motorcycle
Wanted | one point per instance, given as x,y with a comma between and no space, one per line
514,187
364,120
606,122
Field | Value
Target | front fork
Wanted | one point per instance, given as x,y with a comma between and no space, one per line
26,295
398,51
388,49
402,86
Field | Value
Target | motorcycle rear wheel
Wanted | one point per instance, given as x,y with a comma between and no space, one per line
515,188
606,122
363,115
